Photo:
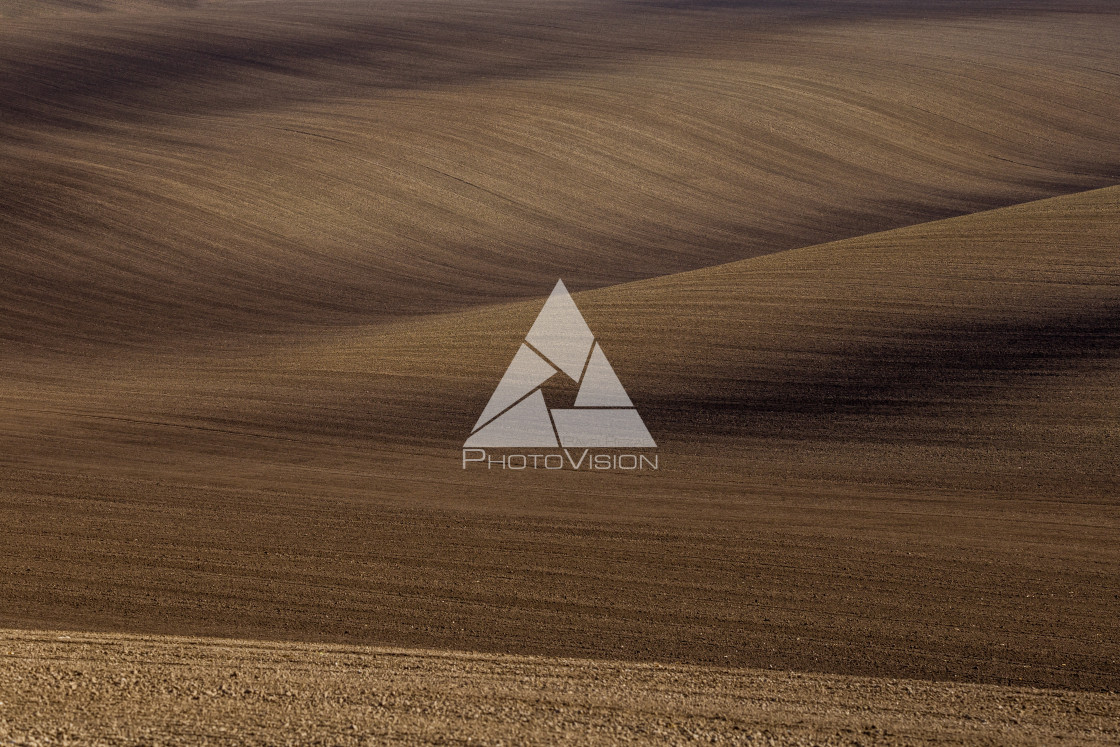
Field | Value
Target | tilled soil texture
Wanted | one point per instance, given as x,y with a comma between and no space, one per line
119,689
263,263
889,456
194,176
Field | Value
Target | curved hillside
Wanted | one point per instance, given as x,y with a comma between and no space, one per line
202,173
891,455
988,338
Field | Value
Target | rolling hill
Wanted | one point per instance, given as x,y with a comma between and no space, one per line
854,262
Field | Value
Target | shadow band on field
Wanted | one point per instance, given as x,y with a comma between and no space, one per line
126,68
865,392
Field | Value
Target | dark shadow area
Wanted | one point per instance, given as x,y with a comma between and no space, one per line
866,392
217,59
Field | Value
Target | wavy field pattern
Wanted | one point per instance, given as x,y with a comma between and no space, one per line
263,264
255,167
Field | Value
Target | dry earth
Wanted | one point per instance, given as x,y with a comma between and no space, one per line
247,167
262,263
59,688
893,455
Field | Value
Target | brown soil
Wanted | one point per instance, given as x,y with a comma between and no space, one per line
889,456
262,268
58,688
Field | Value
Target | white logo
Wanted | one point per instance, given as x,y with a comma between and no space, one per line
560,342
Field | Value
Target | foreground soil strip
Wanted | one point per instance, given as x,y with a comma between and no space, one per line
122,689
